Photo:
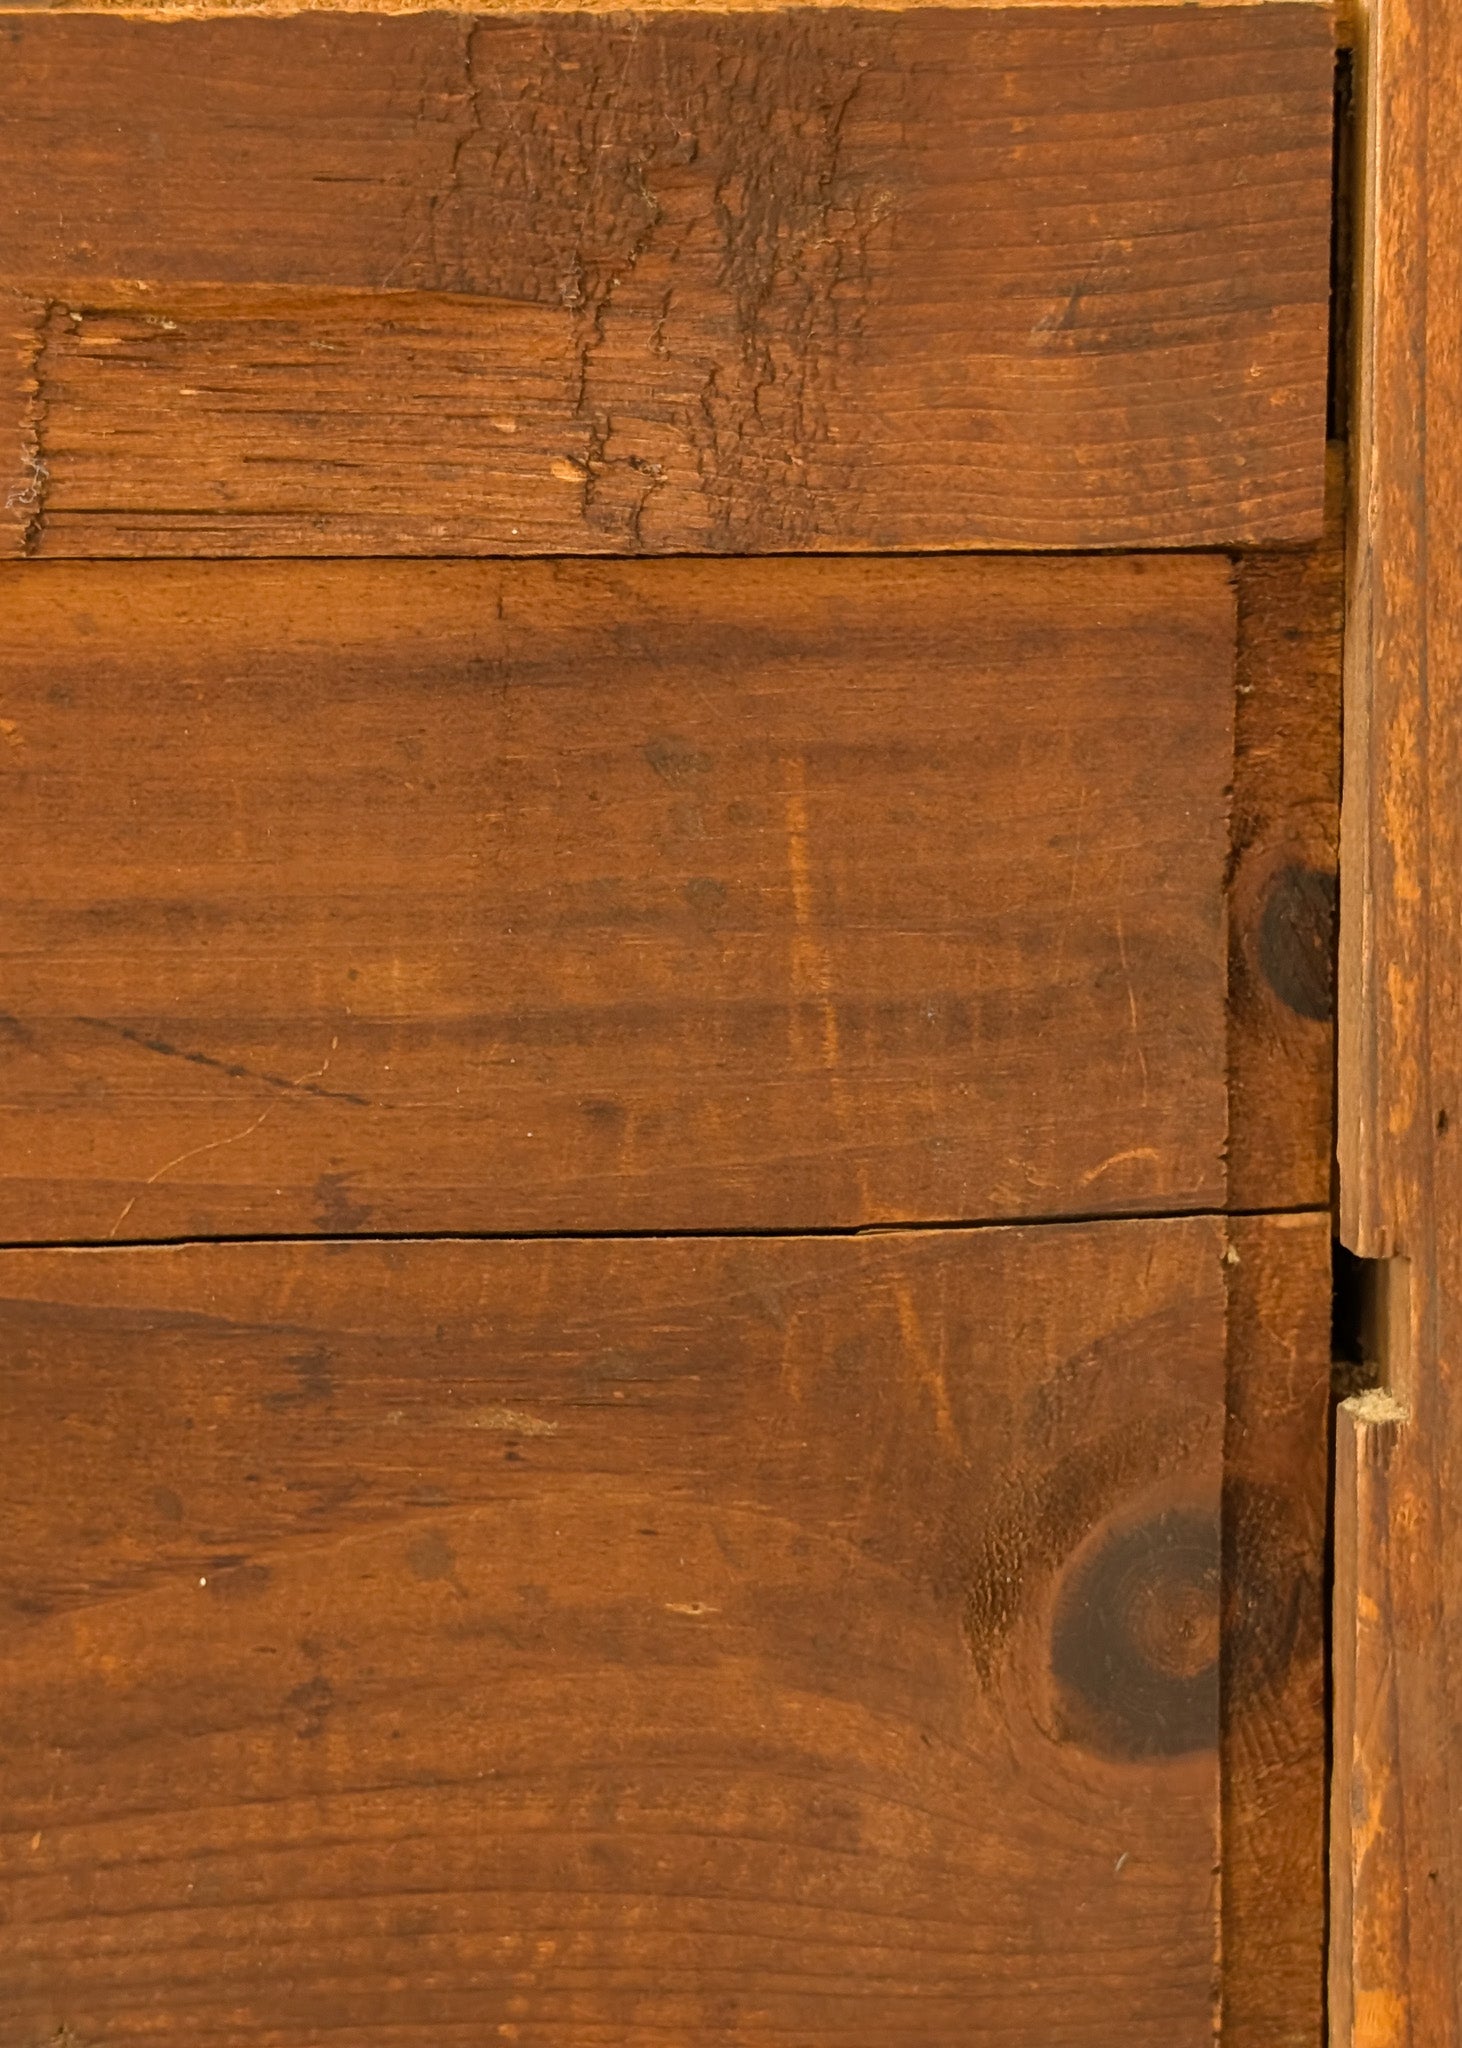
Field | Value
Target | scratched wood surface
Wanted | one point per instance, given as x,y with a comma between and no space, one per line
1397,1817
440,284
570,896
1275,1493
730,1641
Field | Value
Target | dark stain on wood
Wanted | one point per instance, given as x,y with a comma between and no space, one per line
1296,940
1134,1648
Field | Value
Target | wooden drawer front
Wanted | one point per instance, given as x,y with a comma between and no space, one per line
336,284
702,1641
654,896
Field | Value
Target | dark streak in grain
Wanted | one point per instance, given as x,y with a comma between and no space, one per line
235,1069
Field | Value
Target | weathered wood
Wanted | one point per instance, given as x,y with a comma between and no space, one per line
24,474
1397,1959
717,1641
811,279
1285,888
1275,1481
1372,1982
475,896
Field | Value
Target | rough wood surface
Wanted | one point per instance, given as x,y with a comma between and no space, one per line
1285,872
24,473
477,896
1397,1976
561,1643
1276,1481
1373,1978
445,284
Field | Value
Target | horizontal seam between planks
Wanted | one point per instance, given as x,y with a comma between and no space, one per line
1045,551
933,1225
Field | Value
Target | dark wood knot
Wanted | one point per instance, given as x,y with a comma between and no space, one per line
1297,940
1134,1648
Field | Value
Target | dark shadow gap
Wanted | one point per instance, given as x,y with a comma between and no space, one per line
901,1228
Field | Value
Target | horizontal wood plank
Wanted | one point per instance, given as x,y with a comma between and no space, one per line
719,1641
152,10
446,284
597,897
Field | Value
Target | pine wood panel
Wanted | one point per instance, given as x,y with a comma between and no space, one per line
441,284
659,896
728,1641
1397,1817
1276,1477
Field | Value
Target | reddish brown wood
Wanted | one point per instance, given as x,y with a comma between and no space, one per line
1276,1478
1375,1994
1285,882
719,1641
24,472
1397,1958
667,896
794,1639
835,279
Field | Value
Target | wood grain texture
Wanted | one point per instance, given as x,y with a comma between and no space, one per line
440,284
590,897
23,472
1375,1998
1276,1511
718,1641
174,9
1284,894
1397,1975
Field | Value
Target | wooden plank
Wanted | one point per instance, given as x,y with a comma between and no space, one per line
1372,1981
1397,1956
664,895
1276,1484
1285,888
725,1641
811,279
152,10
